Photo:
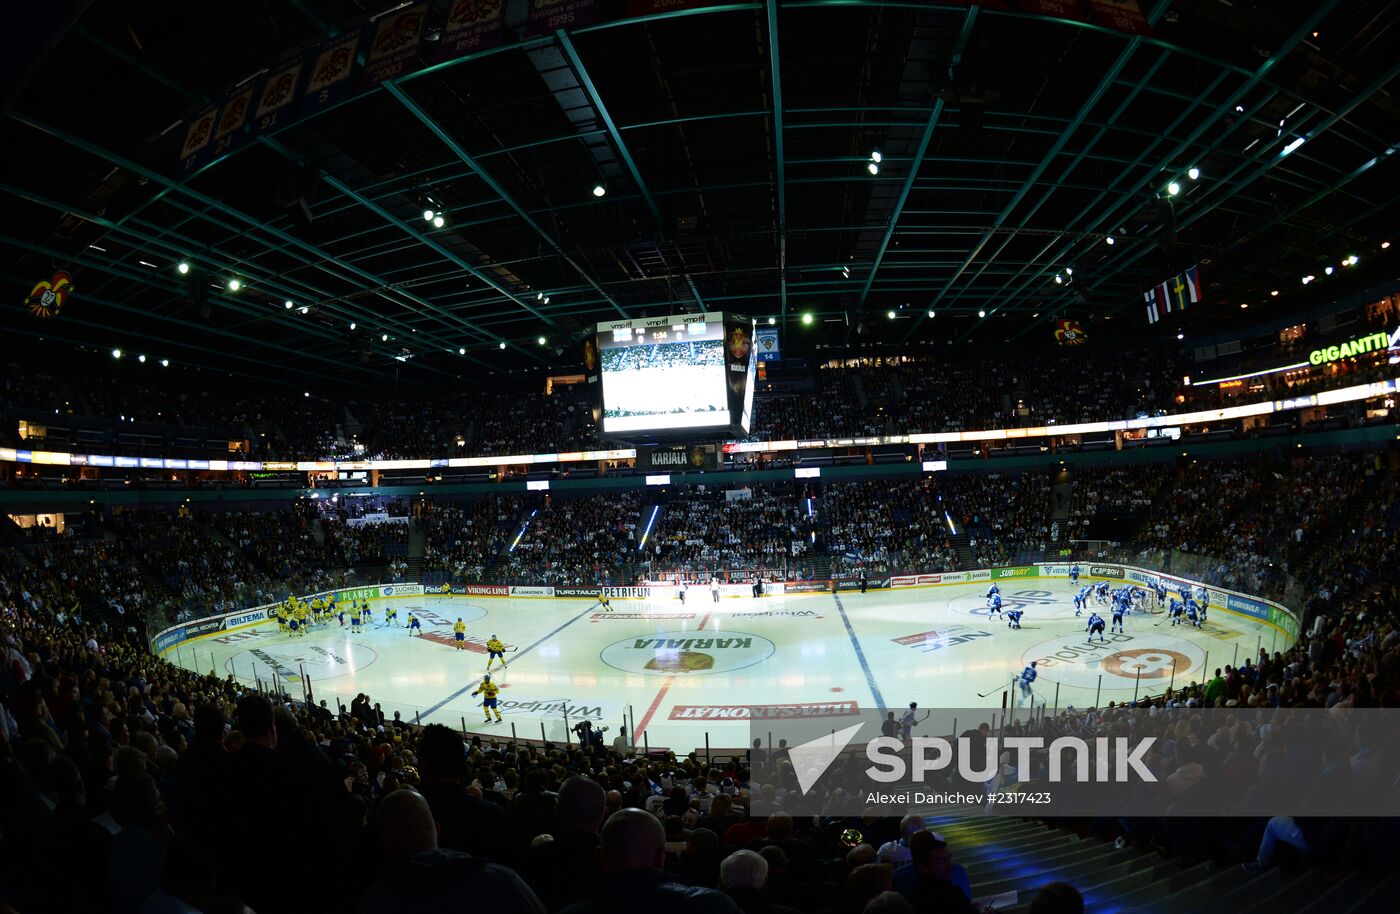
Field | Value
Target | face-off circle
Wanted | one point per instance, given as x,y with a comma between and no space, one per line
687,653
1122,660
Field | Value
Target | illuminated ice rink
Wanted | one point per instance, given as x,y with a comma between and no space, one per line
681,672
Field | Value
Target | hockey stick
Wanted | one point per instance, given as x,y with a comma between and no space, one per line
986,693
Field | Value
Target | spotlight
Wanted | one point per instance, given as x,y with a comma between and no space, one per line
1328,271
873,168
772,321
116,353
599,190
543,341
1108,240
930,314
1069,271
1352,261
1244,304
306,393
183,268
502,344
428,215
1309,278
384,337
1059,280
164,363
539,296
305,309
889,314
1181,336
461,350
1173,189
1274,293
807,319
1193,172
438,222
287,305
546,299
234,285
876,157
1385,245
981,313
141,359
1239,109
352,325
1293,144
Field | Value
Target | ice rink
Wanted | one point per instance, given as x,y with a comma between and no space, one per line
682,672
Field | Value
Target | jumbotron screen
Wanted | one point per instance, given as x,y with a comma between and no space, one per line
687,371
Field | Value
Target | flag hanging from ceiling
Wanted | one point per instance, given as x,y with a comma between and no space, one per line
1069,333
1175,294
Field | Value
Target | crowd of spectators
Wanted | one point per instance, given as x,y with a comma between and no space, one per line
737,532
1006,515
887,526
155,781
463,538
576,541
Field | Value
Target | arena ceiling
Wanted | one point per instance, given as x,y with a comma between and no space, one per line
734,145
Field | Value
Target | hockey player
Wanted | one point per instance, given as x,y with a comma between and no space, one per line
488,703
1081,600
1193,613
1095,627
603,601
495,650
1074,575
714,589
1176,611
993,591
1014,618
414,626
459,634
680,591
1118,610
993,605
1027,679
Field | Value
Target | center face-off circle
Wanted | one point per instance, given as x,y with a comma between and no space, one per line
690,653
1122,660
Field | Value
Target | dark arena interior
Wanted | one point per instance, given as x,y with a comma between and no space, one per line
927,457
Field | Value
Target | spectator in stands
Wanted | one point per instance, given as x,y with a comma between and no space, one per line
566,868
421,878
633,854
927,879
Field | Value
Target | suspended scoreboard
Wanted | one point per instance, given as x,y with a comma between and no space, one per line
667,376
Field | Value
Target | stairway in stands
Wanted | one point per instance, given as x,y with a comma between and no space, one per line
417,543
1007,857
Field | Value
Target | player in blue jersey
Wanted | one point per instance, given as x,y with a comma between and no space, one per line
1027,679
1193,613
1118,611
993,591
1095,627
1176,611
1014,617
1081,600
993,605
1074,575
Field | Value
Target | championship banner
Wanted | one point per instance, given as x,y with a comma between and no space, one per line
395,48
278,91
198,137
472,25
229,130
768,348
1061,9
1121,16
329,79
548,16
740,362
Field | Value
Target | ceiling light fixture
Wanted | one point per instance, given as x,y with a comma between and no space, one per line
502,344
234,285
305,309
807,318
141,359
183,268
116,353
439,222
1193,172
287,305
981,313
876,157
1108,240
599,190
873,168
461,350
1173,189
352,325
428,215
164,363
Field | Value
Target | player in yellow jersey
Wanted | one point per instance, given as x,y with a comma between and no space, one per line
391,616
494,650
459,634
414,626
354,620
282,619
490,690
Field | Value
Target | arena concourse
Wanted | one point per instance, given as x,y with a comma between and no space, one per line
444,444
